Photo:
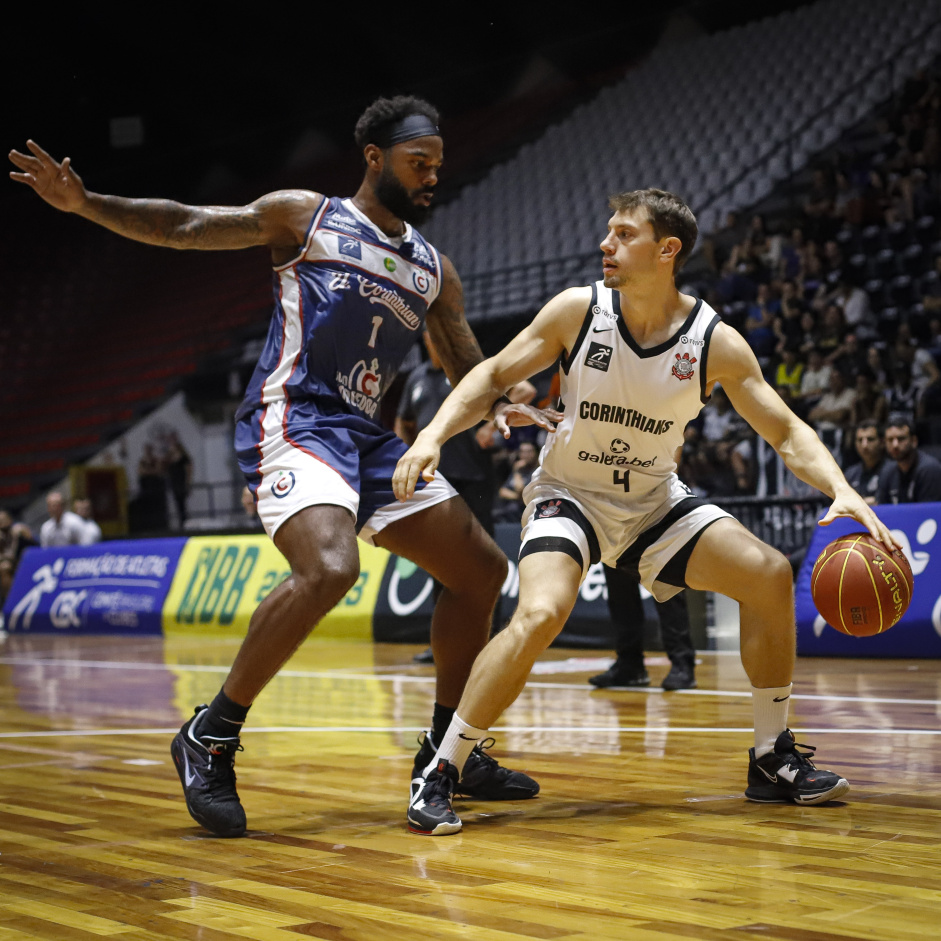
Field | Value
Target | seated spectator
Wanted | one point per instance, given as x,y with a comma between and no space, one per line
857,313
815,378
92,531
790,370
907,349
870,404
910,476
848,357
759,325
832,331
809,333
865,475
902,396
831,415
876,365
63,528
511,493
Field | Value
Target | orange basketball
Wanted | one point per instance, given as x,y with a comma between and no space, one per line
859,587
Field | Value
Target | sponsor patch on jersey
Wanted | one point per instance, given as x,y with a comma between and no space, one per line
615,460
283,484
683,367
389,264
549,508
350,246
618,446
421,281
598,309
599,356
387,297
361,387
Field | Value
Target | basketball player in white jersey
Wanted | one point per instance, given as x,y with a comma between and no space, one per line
638,360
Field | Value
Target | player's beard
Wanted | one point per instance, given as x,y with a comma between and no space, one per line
397,199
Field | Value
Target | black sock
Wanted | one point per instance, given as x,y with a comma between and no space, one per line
223,718
440,722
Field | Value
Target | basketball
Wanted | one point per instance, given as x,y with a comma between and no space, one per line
859,587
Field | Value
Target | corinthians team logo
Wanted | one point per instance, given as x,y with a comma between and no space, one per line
683,367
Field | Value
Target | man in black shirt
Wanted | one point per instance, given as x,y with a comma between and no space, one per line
864,476
910,476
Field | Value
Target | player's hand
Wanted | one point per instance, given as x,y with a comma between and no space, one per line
57,183
849,503
506,416
420,460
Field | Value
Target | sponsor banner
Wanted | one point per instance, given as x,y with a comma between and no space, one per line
405,602
918,634
220,580
107,588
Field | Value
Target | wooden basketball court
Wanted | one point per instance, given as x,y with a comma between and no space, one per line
640,831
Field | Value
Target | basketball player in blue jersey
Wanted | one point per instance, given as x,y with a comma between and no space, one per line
638,360
354,286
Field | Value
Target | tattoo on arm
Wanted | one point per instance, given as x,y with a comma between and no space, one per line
454,341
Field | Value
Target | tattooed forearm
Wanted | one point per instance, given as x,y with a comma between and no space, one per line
168,223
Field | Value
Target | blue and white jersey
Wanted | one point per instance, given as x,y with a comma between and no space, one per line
347,310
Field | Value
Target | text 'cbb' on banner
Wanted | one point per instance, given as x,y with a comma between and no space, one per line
220,580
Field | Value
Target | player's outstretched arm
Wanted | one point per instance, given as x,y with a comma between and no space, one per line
732,363
278,220
553,331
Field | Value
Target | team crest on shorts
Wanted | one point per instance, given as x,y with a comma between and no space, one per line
683,367
283,485
550,508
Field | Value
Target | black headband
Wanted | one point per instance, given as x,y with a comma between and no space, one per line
408,128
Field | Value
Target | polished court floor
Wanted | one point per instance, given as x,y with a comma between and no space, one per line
640,831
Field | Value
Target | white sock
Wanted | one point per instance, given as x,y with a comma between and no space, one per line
458,743
770,707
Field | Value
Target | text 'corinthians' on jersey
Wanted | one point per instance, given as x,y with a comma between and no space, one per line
347,310
626,407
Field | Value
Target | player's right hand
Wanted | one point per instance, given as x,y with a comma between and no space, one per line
420,460
57,183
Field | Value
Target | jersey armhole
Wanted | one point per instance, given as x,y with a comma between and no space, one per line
311,229
707,336
567,360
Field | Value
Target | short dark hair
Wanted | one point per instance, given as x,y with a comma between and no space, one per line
870,423
385,111
900,420
669,216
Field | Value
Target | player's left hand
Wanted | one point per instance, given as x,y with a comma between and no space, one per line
507,415
420,460
849,503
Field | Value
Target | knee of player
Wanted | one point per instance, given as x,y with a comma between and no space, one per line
776,572
329,580
540,623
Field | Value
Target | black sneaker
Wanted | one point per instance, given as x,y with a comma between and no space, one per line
426,656
429,810
681,676
620,676
483,778
206,766
787,775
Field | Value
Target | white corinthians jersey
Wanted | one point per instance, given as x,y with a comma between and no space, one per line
626,407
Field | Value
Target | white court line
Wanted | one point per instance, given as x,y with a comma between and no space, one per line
386,730
408,678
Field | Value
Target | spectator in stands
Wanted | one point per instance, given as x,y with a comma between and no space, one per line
91,530
902,396
876,365
910,476
923,366
832,331
718,247
870,404
831,415
818,205
815,379
179,468
788,324
931,299
14,538
854,302
511,493
864,476
808,333
63,528
848,357
790,370
759,325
